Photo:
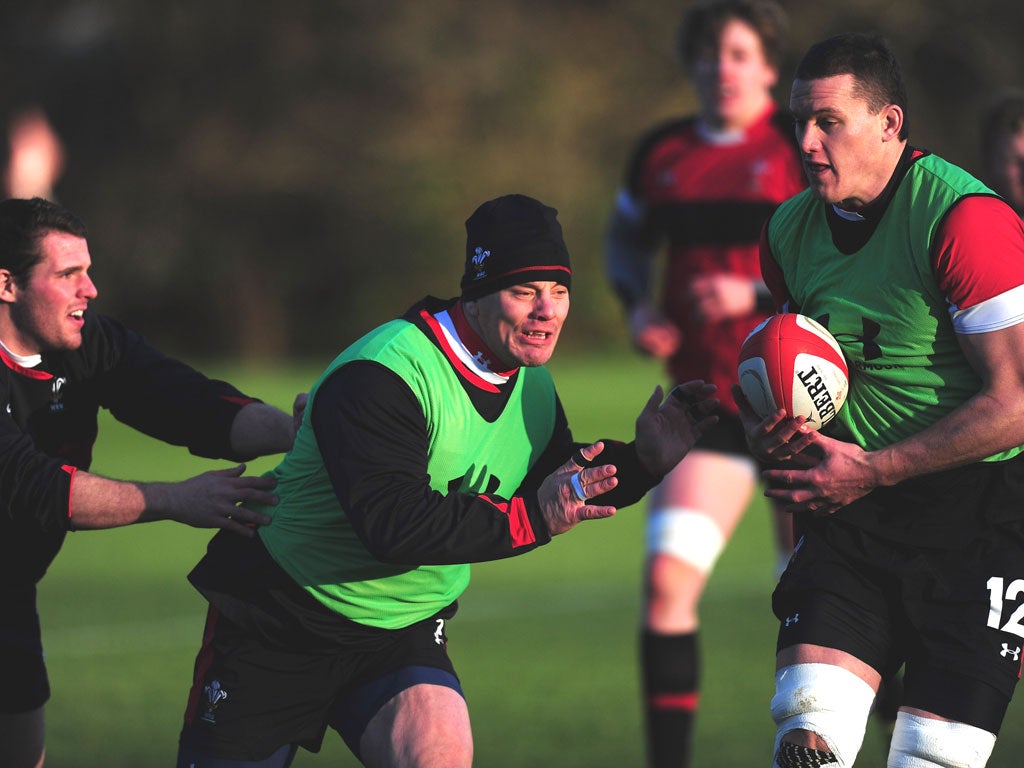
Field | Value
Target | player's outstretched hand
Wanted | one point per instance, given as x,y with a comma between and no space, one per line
216,499
563,494
667,429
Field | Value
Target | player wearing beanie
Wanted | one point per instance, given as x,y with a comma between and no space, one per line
434,441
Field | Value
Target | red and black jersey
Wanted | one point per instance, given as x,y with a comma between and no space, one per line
707,197
48,425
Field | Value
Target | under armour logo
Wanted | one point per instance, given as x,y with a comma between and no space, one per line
439,632
482,361
1007,652
870,331
792,619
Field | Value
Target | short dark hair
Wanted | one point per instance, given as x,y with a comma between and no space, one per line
1004,114
23,223
703,24
869,59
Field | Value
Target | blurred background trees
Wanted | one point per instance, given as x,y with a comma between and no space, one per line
270,179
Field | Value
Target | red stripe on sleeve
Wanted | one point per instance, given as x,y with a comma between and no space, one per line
71,471
518,521
239,400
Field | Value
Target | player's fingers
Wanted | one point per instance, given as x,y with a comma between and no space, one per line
238,527
584,456
255,483
244,516
654,401
600,485
235,471
590,512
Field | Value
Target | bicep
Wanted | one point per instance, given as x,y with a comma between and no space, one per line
996,357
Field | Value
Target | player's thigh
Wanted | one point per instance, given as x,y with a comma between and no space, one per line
249,700
424,726
966,639
22,739
716,484
830,596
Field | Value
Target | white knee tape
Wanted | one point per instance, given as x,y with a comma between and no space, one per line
686,534
829,701
923,742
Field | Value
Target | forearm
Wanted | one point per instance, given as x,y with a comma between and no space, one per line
964,436
99,502
223,498
260,430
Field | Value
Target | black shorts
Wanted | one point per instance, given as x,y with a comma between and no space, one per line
953,617
250,697
728,436
24,685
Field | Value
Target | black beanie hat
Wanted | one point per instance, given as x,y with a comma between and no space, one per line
511,240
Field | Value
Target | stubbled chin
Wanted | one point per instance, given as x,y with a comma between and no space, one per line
532,356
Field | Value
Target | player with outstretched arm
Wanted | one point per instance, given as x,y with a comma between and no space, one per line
60,363
435,441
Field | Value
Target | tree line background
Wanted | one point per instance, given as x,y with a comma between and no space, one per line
270,179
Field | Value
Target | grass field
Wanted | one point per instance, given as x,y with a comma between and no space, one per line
545,644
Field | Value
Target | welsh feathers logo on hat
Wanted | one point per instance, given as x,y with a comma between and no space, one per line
522,243
477,260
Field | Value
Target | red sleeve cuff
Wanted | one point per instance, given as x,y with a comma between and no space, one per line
71,470
520,528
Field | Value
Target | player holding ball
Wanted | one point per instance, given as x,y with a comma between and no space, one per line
912,506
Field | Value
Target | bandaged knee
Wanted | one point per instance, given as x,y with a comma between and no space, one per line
687,535
829,701
924,742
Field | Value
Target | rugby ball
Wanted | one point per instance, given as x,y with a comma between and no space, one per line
792,362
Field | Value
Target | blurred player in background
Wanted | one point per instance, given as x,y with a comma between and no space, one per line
1002,147
59,364
912,506
35,159
702,187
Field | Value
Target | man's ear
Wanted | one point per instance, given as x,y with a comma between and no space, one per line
8,287
892,122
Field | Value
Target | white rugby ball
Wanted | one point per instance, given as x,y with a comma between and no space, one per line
792,362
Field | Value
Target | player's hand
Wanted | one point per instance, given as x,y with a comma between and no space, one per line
564,501
776,437
216,499
842,474
667,430
652,333
714,298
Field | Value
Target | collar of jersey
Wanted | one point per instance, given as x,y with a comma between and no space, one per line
465,349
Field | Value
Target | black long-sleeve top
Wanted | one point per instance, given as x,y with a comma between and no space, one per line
48,425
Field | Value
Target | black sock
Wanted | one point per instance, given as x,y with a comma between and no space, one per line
671,693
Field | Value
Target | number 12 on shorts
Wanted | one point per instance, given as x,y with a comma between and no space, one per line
996,596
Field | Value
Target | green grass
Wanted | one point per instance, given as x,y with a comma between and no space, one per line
545,644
